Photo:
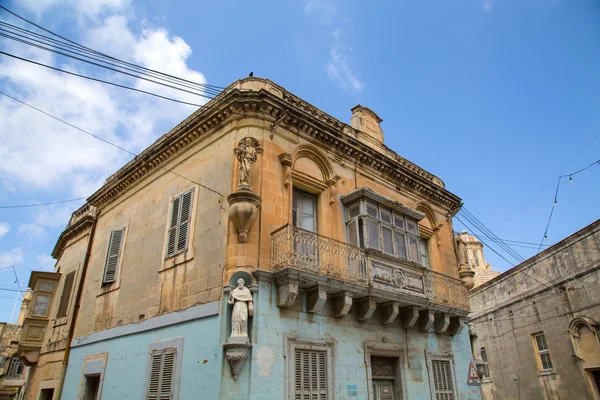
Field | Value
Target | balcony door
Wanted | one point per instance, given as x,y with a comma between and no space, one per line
304,215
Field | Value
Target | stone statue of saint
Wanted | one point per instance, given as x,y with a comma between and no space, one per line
475,350
241,299
246,155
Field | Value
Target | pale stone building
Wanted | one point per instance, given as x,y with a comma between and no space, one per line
261,249
470,249
537,324
13,372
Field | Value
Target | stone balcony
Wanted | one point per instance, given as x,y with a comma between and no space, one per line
351,278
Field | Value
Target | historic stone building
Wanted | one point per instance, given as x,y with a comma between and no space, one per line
261,249
13,372
536,325
470,252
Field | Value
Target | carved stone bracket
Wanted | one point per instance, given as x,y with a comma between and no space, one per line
409,316
365,308
456,325
442,321
315,299
389,312
341,304
237,354
287,291
243,210
426,318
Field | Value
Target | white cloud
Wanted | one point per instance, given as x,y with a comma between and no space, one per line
487,5
32,231
14,256
45,262
338,68
84,8
324,8
58,157
4,228
54,217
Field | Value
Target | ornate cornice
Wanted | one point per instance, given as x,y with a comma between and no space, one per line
300,117
72,230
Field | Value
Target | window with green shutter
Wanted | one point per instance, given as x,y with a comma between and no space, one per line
162,374
310,375
66,295
443,384
112,256
179,223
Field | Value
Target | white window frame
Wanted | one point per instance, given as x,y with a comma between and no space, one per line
177,345
440,357
539,352
292,343
483,351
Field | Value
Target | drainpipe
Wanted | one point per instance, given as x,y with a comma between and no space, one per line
65,361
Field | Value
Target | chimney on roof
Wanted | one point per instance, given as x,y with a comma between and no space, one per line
366,121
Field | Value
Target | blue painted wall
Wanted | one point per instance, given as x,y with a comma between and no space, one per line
127,366
264,377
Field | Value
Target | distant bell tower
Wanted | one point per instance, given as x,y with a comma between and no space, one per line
473,255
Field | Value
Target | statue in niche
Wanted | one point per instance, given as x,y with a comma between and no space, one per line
241,299
246,155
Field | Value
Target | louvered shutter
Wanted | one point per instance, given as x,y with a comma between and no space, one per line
311,375
112,258
162,375
172,235
184,220
442,380
66,295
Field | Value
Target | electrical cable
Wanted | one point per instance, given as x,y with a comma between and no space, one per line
43,204
110,143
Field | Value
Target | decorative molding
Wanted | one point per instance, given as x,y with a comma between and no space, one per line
365,308
342,303
287,291
315,299
73,229
442,322
456,325
313,153
389,312
237,354
409,316
426,318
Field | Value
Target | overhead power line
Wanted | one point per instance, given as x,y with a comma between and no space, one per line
43,204
110,143
87,49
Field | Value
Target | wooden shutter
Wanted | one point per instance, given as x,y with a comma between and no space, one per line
112,258
66,295
311,375
442,380
172,235
162,375
184,220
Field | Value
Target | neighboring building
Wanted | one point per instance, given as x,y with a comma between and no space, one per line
470,251
537,323
13,373
261,249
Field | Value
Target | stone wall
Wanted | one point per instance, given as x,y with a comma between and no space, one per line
548,293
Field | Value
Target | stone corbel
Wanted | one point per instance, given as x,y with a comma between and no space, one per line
442,321
426,318
456,325
341,304
365,308
389,312
287,292
315,299
286,162
409,316
237,354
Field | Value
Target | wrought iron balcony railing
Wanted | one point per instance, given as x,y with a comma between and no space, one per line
305,250
445,290
297,248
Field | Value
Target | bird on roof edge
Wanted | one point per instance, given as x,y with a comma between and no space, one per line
251,74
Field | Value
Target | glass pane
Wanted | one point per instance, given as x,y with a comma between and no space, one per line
483,355
541,342
307,205
46,287
353,233
307,222
353,211
388,245
386,217
546,363
424,253
373,228
399,221
372,210
413,249
411,226
41,305
401,244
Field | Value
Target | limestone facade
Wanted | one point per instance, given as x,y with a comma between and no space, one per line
472,251
537,323
157,249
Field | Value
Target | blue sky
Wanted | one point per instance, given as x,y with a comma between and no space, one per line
495,97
